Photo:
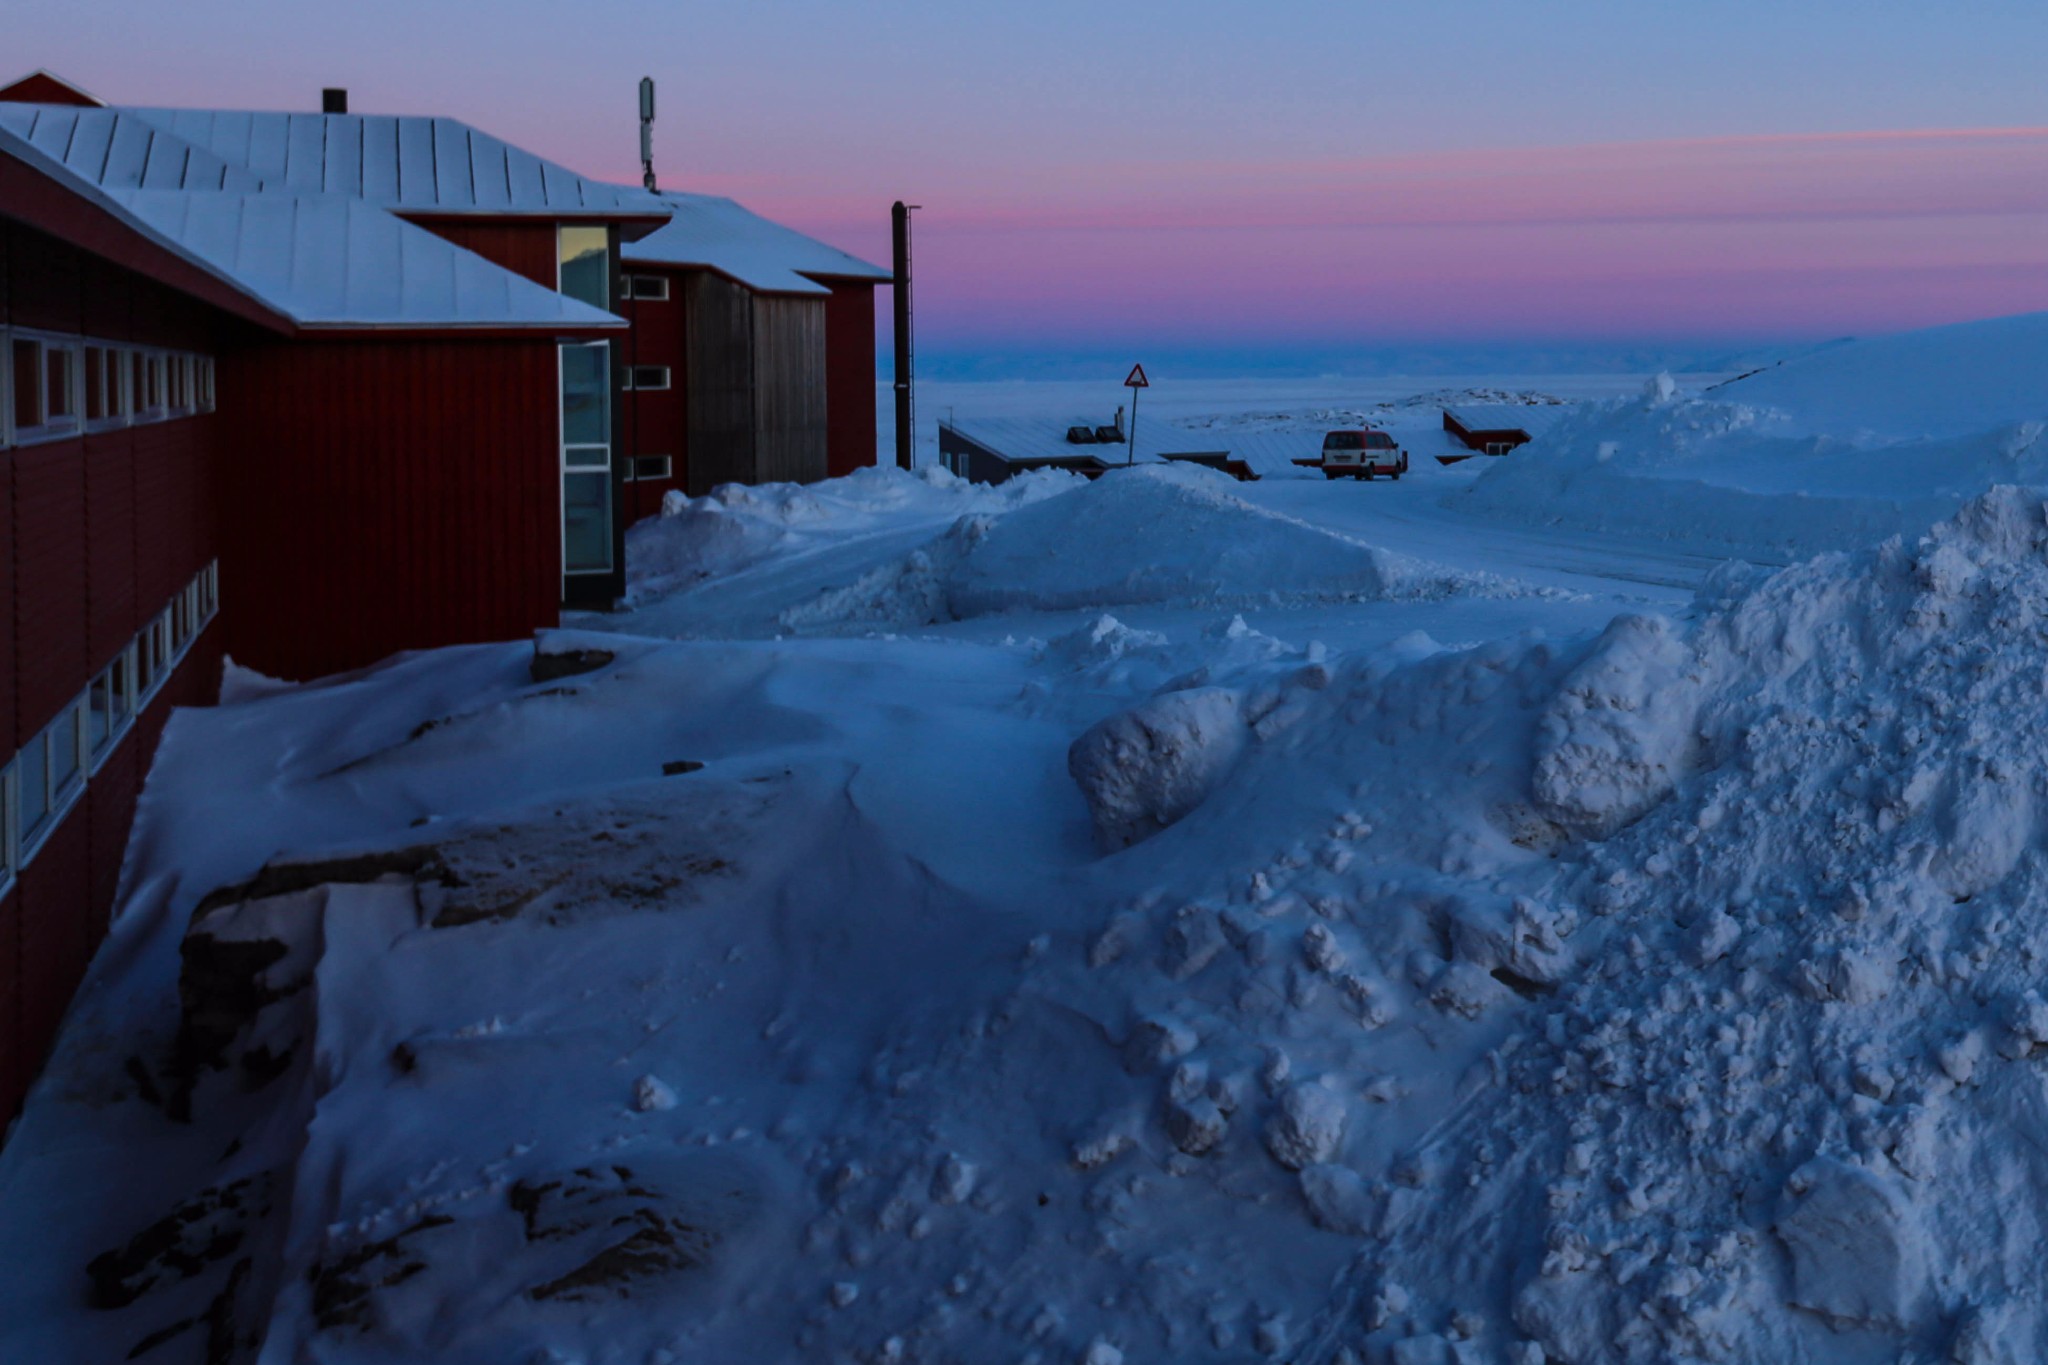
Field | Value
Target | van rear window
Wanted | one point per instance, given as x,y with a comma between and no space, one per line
1344,440
1378,440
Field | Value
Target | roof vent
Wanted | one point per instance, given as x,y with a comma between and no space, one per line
333,100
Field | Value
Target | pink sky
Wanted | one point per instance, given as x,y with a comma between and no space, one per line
1748,236
1215,174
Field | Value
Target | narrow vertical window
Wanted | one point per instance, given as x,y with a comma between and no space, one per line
60,377
27,361
35,785
586,458
95,383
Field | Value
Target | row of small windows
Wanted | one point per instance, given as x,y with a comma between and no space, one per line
41,784
54,386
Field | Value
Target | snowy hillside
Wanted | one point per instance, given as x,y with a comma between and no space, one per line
1830,449
1162,919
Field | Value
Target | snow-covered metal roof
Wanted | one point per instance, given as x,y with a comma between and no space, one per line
1532,418
327,260
317,260
712,233
412,164
119,149
1034,438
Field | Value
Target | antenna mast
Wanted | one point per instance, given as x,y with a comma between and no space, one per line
647,132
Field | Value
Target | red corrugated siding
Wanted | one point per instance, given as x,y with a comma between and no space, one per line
43,281
80,518
7,656
849,378
55,891
49,575
658,422
526,248
387,495
112,613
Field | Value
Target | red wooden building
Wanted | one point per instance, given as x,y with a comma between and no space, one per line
752,354
310,389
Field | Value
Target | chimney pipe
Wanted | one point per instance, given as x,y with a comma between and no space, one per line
899,218
334,100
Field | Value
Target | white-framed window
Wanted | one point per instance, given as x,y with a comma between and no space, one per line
153,386
650,287
110,705
49,775
152,658
209,592
647,376
583,263
650,467
206,383
44,386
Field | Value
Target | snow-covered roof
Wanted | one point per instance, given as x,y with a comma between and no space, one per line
1525,417
1029,438
712,233
415,164
318,260
326,260
119,149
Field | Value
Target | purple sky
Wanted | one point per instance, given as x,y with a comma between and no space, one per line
1240,177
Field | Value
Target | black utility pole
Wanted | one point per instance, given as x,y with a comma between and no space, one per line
905,414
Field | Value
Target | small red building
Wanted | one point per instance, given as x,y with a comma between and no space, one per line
752,354
309,389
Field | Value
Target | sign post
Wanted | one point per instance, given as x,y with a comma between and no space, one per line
1135,381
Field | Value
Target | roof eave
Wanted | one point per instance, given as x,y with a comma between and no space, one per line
86,216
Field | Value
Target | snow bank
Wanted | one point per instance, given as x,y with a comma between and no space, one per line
1691,982
1942,381
1148,534
1828,451
738,525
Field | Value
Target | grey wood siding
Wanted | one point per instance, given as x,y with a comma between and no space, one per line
789,389
719,360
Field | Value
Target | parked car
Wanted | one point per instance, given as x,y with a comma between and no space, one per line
1362,454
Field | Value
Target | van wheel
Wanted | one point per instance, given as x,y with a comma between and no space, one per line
1332,474
1365,474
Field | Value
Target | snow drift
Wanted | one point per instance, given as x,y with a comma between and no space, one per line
1828,451
1148,534
736,526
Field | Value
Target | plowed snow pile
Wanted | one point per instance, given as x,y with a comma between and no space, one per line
1148,534
737,525
1686,1005
1830,450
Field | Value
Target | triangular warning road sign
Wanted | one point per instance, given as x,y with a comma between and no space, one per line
1137,379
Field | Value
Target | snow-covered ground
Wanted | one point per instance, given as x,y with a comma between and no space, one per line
1164,919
